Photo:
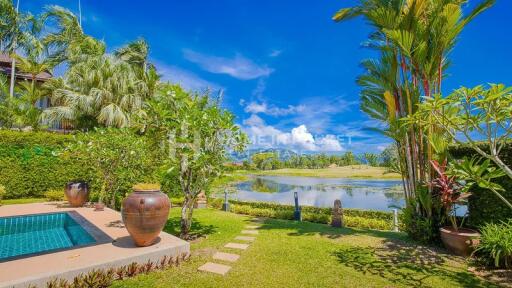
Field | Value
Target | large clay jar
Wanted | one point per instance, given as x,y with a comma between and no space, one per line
77,193
461,242
145,213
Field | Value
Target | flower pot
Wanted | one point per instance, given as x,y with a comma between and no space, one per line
145,213
461,242
99,206
77,193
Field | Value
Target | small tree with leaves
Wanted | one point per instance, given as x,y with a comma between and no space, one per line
198,133
480,118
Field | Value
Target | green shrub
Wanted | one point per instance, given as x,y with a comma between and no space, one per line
495,246
483,205
32,163
356,218
54,195
2,193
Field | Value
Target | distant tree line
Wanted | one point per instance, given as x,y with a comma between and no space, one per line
271,160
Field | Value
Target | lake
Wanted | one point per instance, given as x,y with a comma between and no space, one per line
321,192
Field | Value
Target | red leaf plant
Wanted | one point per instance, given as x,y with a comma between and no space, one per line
450,191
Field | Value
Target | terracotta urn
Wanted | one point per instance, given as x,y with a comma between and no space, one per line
461,242
77,193
145,213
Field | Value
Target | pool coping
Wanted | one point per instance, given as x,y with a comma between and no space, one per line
113,248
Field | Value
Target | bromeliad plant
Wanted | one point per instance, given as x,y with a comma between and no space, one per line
450,191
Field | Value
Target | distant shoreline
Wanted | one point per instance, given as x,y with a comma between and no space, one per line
353,172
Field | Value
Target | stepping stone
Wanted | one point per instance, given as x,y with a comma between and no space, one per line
251,232
226,256
215,268
245,238
237,246
252,227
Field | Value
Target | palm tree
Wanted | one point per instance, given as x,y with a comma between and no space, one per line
414,38
69,43
103,90
17,31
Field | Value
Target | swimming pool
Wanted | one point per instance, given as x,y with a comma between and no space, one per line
29,234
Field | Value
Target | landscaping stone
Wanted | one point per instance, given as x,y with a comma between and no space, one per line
337,214
226,256
215,268
252,227
250,232
245,238
237,246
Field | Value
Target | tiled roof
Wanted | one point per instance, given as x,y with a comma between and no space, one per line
6,69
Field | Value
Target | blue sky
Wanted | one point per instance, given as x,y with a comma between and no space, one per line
287,71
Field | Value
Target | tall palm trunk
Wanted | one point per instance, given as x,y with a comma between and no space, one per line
13,76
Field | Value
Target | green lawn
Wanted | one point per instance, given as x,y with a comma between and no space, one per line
22,201
355,171
292,254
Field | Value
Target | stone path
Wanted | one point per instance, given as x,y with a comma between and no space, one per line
222,269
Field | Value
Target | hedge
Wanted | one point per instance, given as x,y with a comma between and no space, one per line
356,218
30,165
483,205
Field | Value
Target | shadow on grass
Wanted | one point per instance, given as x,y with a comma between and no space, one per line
397,258
198,229
405,263
309,229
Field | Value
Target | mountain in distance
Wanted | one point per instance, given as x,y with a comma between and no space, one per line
284,154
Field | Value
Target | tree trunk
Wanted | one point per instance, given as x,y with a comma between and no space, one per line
13,76
186,217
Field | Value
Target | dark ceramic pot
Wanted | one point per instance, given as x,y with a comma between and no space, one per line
145,213
77,193
461,242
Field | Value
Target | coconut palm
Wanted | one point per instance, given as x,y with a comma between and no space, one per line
68,43
17,32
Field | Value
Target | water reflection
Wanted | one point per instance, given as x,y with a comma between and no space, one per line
321,192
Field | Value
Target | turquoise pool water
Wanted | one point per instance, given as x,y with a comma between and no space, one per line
29,234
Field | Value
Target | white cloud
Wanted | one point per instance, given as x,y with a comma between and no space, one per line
264,108
299,138
238,67
186,79
318,113
260,88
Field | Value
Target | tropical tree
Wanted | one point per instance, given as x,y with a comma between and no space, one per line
66,41
372,159
102,90
198,134
414,39
17,32
478,117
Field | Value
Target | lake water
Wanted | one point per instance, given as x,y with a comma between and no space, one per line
321,192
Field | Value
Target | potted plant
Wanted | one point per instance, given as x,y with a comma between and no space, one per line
458,240
145,212
77,193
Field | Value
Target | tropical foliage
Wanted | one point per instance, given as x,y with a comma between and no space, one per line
197,134
414,39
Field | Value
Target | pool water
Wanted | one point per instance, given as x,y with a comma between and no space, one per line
29,234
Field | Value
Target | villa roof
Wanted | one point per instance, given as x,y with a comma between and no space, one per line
5,68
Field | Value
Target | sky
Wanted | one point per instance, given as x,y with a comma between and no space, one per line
287,71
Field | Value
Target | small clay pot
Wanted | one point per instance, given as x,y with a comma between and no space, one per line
99,206
461,242
145,213
77,193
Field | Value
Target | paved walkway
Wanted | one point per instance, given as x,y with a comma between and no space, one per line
225,257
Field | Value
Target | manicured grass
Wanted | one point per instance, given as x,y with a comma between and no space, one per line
356,171
22,201
292,254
